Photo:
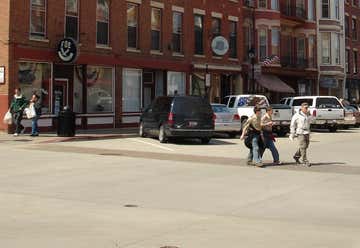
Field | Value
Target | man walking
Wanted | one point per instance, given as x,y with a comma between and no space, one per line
252,128
17,107
300,126
269,140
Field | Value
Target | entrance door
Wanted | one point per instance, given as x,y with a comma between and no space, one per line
149,88
60,95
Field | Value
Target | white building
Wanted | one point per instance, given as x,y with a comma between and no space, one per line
331,47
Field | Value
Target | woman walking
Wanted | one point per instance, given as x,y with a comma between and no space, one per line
36,102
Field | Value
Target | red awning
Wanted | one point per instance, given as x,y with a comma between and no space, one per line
273,83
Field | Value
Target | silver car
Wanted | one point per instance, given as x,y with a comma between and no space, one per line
226,121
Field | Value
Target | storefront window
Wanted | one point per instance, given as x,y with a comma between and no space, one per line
131,90
176,83
99,89
36,78
198,84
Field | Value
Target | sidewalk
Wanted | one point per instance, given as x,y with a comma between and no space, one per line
81,135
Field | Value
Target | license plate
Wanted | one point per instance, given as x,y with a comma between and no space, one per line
192,123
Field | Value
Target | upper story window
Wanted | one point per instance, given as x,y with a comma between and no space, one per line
233,39
38,19
72,19
216,27
325,9
312,51
132,25
199,34
275,41
262,4
337,9
102,22
326,48
177,36
354,28
275,5
337,49
347,63
156,29
300,9
355,62
262,44
311,10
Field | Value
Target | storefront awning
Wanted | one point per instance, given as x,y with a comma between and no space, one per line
273,83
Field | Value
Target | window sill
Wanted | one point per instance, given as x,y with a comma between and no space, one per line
234,59
156,52
178,55
103,47
199,56
217,57
133,50
39,40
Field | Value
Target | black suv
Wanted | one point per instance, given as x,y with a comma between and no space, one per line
178,117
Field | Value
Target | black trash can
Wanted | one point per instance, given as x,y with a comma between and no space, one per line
66,123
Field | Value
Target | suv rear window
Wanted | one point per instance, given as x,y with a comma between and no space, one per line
298,102
162,104
190,106
328,103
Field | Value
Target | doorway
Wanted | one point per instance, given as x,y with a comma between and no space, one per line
60,94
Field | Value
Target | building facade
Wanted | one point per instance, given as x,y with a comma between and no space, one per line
285,44
352,15
120,55
331,48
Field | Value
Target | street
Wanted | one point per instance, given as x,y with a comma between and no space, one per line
137,193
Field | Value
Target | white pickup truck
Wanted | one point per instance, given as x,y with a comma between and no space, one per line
327,110
244,106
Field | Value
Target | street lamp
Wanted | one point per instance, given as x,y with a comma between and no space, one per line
252,54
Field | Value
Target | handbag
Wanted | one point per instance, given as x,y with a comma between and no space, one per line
8,118
30,111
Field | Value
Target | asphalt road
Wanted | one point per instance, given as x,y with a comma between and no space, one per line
135,192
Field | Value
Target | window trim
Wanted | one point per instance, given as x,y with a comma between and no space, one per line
31,36
108,25
78,20
137,7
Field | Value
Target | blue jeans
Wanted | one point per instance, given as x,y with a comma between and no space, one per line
34,125
269,143
256,151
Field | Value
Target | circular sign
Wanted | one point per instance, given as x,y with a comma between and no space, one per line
67,50
220,45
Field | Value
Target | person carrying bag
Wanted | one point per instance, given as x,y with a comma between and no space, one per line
17,107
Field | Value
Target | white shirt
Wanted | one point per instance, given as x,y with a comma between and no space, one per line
300,123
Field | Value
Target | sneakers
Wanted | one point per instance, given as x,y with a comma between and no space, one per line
297,160
278,163
249,162
307,164
259,165
34,134
16,134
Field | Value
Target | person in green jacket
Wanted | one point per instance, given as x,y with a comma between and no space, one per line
18,104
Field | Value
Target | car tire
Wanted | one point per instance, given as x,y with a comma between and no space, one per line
333,129
141,130
232,135
162,135
281,133
205,141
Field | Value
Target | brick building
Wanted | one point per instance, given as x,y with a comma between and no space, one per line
126,52
285,45
352,15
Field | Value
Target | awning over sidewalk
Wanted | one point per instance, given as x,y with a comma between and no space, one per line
273,83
